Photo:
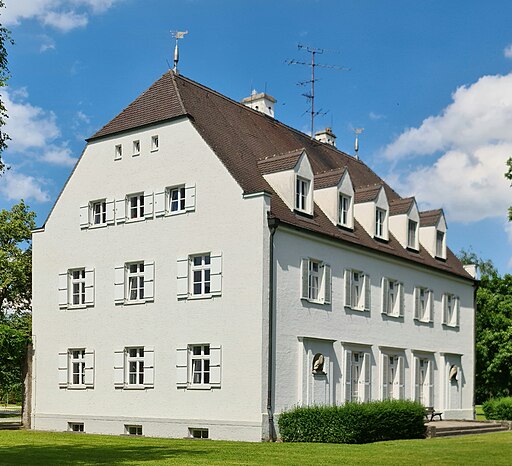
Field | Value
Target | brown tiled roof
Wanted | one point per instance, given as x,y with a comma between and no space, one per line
280,162
400,206
367,193
247,141
330,178
429,218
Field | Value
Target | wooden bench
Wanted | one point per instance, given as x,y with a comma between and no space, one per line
431,413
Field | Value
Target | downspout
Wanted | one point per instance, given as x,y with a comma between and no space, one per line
476,285
273,224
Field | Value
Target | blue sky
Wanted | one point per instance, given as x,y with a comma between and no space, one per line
429,81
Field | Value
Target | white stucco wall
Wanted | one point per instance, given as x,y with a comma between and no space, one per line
335,327
222,221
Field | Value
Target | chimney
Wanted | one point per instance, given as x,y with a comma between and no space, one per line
261,102
326,136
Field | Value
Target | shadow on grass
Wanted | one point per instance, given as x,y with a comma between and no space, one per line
82,454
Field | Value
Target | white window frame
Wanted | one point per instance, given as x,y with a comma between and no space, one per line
344,210
423,304
380,222
189,365
77,427
136,148
98,213
133,429
179,202
200,275
155,143
440,239
135,207
185,276
118,152
84,363
316,281
412,234
198,433
358,388
393,297
424,380
124,277
302,193
357,290
145,368
393,381
85,283
451,310
105,216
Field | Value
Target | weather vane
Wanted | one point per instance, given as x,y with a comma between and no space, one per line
177,35
358,131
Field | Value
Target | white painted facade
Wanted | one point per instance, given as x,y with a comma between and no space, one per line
138,321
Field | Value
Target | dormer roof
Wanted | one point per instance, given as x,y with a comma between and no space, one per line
280,162
367,193
330,178
430,218
401,206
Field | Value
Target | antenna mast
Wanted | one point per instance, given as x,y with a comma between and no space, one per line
358,131
177,35
311,96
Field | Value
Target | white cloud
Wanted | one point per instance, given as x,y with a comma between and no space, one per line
467,146
507,51
17,186
33,129
376,116
63,15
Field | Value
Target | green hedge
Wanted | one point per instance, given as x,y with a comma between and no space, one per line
353,422
499,409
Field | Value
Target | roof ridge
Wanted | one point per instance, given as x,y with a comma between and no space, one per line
178,94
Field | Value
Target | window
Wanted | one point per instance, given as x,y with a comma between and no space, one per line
380,218
197,433
424,381
423,304
132,430
393,377
154,143
134,367
412,229
357,376
177,199
76,288
451,310
199,366
357,290
136,207
99,212
118,152
439,244
199,276
76,368
344,211
76,426
316,281
136,148
134,282
393,302
301,194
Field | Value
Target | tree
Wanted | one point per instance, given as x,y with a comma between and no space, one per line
493,329
508,176
15,295
5,38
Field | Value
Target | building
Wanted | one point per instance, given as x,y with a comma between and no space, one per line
206,267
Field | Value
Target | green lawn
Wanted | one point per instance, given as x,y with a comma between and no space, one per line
480,416
42,448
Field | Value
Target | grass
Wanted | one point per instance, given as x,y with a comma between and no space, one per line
480,416
44,448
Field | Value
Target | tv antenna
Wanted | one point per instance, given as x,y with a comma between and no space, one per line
177,35
358,131
311,95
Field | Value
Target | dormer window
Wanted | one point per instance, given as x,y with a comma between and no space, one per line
344,210
412,229
380,218
301,194
439,244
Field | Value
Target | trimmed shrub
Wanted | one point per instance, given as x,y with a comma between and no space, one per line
353,422
498,409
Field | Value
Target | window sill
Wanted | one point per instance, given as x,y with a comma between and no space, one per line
423,321
135,220
134,302
136,155
97,225
201,296
454,326
313,301
202,387
175,212
76,307
153,150
358,309
136,387
392,316
78,387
